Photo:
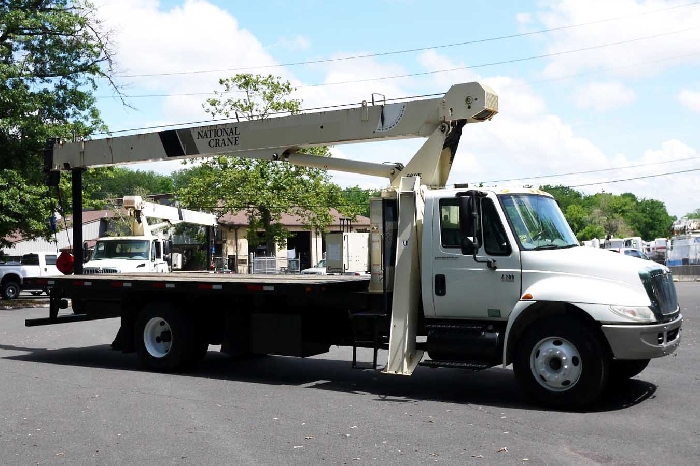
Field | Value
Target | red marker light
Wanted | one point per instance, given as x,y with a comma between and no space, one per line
64,263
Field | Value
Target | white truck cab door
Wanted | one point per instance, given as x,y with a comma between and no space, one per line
49,267
463,287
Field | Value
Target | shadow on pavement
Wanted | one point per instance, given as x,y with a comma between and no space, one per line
493,387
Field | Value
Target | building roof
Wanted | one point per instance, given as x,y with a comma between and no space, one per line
241,219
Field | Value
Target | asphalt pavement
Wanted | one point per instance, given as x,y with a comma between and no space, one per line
68,399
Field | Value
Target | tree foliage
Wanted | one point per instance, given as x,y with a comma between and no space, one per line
118,182
602,214
356,200
51,54
263,189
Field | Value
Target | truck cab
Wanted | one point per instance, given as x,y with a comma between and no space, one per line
128,254
507,259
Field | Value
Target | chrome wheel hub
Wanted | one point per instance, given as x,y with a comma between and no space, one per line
556,364
157,337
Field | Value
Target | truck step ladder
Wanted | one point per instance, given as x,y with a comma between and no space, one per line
360,321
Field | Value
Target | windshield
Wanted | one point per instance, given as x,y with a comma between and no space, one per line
121,249
321,264
537,221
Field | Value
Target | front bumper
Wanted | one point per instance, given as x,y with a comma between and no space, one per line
644,341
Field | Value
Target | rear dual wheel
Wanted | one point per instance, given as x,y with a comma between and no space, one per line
166,339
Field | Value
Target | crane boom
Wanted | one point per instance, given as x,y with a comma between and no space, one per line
140,211
282,138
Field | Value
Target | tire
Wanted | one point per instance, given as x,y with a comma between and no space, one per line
10,290
165,339
621,370
562,362
79,307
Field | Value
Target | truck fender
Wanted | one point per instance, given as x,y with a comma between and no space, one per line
518,309
526,312
12,277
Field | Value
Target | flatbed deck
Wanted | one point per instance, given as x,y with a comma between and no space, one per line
204,281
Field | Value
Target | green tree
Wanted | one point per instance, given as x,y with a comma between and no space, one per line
357,200
564,195
653,220
51,54
693,214
602,214
119,182
264,189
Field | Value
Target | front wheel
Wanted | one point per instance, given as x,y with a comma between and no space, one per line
10,290
562,362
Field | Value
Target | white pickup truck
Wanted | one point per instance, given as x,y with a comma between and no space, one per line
32,265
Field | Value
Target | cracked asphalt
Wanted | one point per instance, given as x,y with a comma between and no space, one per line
68,399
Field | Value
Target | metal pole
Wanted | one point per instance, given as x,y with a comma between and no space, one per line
77,188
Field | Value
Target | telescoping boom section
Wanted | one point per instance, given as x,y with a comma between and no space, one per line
282,138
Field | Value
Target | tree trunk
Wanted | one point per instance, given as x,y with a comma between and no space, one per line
269,240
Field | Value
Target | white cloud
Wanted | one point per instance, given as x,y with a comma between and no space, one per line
526,140
640,19
524,19
196,35
602,96
357,77
295,43
689,99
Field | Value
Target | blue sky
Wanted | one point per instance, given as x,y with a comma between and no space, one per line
632,99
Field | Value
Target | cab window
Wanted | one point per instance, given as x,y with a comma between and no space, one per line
450,237
495,239
30,259
490,230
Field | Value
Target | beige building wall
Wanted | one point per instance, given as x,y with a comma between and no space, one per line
235,243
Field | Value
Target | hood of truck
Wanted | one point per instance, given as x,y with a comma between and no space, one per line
588,275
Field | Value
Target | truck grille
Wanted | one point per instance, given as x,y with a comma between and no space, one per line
661,291
96,270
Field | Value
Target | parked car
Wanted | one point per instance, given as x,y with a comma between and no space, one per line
631,252
318,269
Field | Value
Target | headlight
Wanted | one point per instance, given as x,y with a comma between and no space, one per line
636,313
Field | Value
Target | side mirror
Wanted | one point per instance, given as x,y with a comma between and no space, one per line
468,246
467,225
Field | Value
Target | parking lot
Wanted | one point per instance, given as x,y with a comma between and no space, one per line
68,399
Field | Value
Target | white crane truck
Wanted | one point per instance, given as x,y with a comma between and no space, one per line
473,277
145,250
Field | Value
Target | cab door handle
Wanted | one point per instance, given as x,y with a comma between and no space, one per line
440,285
